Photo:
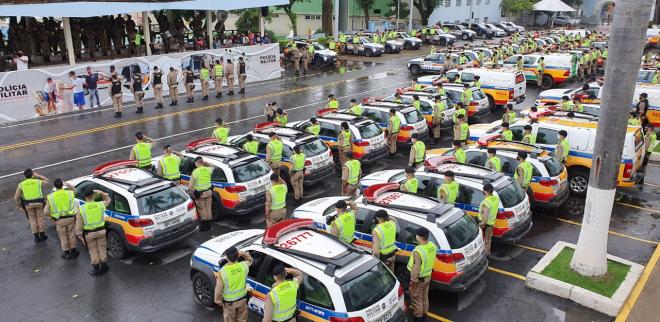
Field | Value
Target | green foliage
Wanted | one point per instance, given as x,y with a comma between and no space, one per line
404,10
514,8
366,6
425,8
249,20
288,10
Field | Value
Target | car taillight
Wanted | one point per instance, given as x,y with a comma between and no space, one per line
308,163
400,291
627,170
363,143
330,153
351,319
548,182
510,94
567,73
450,258
505,214
191,205
474,103
235,189
140,222
407,128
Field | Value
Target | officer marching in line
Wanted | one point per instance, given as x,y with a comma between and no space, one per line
417,151
231,286
218,75
493,162
274,152
251,145
138,93
342,224
411,184
448,191
383,245
229,71
201,189
487,214
528,137
90,228
393,126
205,77
281,302
315,127
157,83
344,141
523,173
117,96
459,153
507,134
438,115
297,173
168,165
295,52
562,148
420,266
189,76
173,84
350,175
242,75
141,151
221,131
509,115
275,206
62,208
332,102
355,109
29,197
461,130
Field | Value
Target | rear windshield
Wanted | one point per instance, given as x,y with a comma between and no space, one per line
360,293
478,95
511,195
369,131
250,171
520,78
313,148
413,117
461,232
161,201
554,166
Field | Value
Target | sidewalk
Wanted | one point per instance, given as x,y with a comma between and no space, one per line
642,304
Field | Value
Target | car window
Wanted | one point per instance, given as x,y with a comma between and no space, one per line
250,171
268,276
547,136
84,186
314,292
263,142
529,60
239,142
426,108
218,175
313,148
469,195
160,201
257,262
478,95
461,232
411,232
511,60
187,165
371,130
375,115
475,157
287,151
467,77
360,293
329,129
535,171
423,181
120,204
554,166
302,126
454,96
413,117
509,165
511,195
360,217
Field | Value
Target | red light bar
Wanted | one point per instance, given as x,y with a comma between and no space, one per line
541,114
433,163
201,142
266,125
273,232
484,140
113,166
325,111
372,192
369,100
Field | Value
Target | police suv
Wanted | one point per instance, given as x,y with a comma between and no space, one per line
460,260
392,46
427,101
412,121
409,42
339,279
364,47
146,212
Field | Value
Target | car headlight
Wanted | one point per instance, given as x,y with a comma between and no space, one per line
325,57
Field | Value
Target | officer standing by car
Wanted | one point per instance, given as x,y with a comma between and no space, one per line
274,152
29,197
62,208
342,225
251,145
231,286
297,173
344,141
281,302
200,188
242,75
528,137
540,69
459,153
448,190
173,84
281,117
275,206
141,151
350,175
384,239
221,131
169,164
332,102
393,126
411,184
90,228
487,214
218,73
438,114
296,56
116,94
523,173
509,115
420,266
507,134
355,109
157,83
314,128
493,162
189,77
417,151
461,130
205,77
563,148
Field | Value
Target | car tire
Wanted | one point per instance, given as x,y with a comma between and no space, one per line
368,52
415,69
547,82
407,46
115,245
578,181
491,103
465,37
203,290
388,50
318,62
216,207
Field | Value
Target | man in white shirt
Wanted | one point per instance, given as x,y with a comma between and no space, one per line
78,91
21,61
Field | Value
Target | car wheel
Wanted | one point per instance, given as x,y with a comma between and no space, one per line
388,50
415,69
465,37
491,103
216,207
115,245
203,289
407,46
578,182
547,82
318,62
368,53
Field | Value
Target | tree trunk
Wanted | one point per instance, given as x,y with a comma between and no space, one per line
423,12
656,16
326,20
366,17
292,18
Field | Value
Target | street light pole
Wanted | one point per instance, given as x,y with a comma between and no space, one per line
398,7
625,52
410,15
470,17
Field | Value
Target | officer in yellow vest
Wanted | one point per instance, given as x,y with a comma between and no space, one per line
524,171
297,173
417,104
251,145
221,131
281,117
356,44
314,127
274,152
417,151
141,151
507,134
448,191
563,148
488,210
62,208
29,197
466,96
169,164
438,115
383,245
540,69
566,104
459,153
201,188
461,130
493,162
90,228
577,104
204,77
420,266
416,86
509,115
275,200
393,126
355,109
231,286
342,43
344,142
350,175
332,102
633,119
411,184
528,137
332,45
219,74
342,224
281,302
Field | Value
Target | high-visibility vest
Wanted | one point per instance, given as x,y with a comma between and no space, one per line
427,253
347,138
356,40
204,74
234,278
353,171
466,96
333,104
219,70
310,49
342,39
142,152
477,84
170,165
418,87
531,138
396,123
496,162
277,196
491,202
221,133
459,155
417,104
507,135
376,38
138,39
566,148
653,141
527,172
61,203
31,189
356,109
282,120
251,147
439,108
566,106
509,117
92,215
386,233
540,68
283,296
451,191
331,45
420,149
346,226
314,129
202,176
441,91
276,147
298,161
411,185
633,121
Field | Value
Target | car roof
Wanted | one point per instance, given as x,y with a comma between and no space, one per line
467,171
388,105
286,133
338,116
224,153
124,175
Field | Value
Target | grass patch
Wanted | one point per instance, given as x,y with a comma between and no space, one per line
560,269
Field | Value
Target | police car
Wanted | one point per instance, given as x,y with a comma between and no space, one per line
460,31
368,144
409,42
239,179
339,278
318,157
431,64
553,96
514,218
364,47
426,103
442,38
146,212
460,260
392,46
478,108
322,55
412,121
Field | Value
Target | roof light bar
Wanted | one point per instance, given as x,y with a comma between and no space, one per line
114,165
372,192
266,125
433,163
486,139
274,232
201,142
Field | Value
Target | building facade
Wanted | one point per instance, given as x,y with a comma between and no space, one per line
453,11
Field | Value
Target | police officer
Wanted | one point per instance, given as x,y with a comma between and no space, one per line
242,75
297,173
173,84
540,69
566,104
643,104
562,148
411,184
393,126
509,115
281,302
461,130
251,145
90,228
342,225
344,141
438,115
356,44
115,92
281,117
314,127
275,200
459,153
466,95
448,190
218,75
487,214
189,76
229,72
200,188
384,239
304,59
507,134
204,77
274,152
30,198
297,55
420,266
417,151
168,165
62,208
350,175
523,173
477,82
221,131
417,104
332,102
231,286
460,110
577,104
417,87
355,109
493,162
141,151
528,137
157,83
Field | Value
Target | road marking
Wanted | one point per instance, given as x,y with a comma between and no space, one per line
437,317
609,231
638,207
538,250
187,132
652,184
507,273
637,290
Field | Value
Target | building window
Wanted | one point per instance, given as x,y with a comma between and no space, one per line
485,19
478,2
377,11
313,17
468,2
447,3
458,3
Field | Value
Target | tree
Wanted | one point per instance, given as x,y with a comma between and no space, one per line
404,11
326,16
249,20
425,8
515,8
288,10
366,5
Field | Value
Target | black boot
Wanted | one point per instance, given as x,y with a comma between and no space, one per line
218,95
37,238
66,255
43,236
74,253
204,225
205,98
104,267
117,114
96,270
139,110
172,104
176,103
242,91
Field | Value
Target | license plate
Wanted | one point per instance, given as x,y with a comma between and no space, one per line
258,190
385,317
171,222
377,140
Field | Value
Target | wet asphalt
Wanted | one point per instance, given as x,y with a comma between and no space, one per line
36,285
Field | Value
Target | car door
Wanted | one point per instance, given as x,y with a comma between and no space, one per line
257,281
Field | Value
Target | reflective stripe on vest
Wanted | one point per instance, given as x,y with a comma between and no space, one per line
251,147
496,162
420,149
61,203
275,150
427,253
234,277
527,170
170,166
346,226
204,73
221,133
31,189
386,233
202,176
92,215
493,204
353,171
451,191
142,152
298,161
412,185
277,196
283,296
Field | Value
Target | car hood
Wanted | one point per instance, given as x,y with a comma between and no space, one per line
374,45
413,39
553,93
417,60
378,177
446,35
395,42
327,52
213,250
428,80
315,208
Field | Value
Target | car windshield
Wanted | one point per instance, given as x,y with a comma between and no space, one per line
413,117
314,148
360,293
160,201
461,232
250,171
554,166
398,177
511,195
319,47
370,130
478,95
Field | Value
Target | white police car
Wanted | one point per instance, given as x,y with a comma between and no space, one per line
409,42
146,212
339,278
365,47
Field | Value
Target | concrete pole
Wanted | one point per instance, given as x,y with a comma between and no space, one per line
398,8
625,52
470,15
147,31
68,41
410,15
335,23
262,23
209,27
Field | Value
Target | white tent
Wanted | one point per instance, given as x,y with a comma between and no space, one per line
553,6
